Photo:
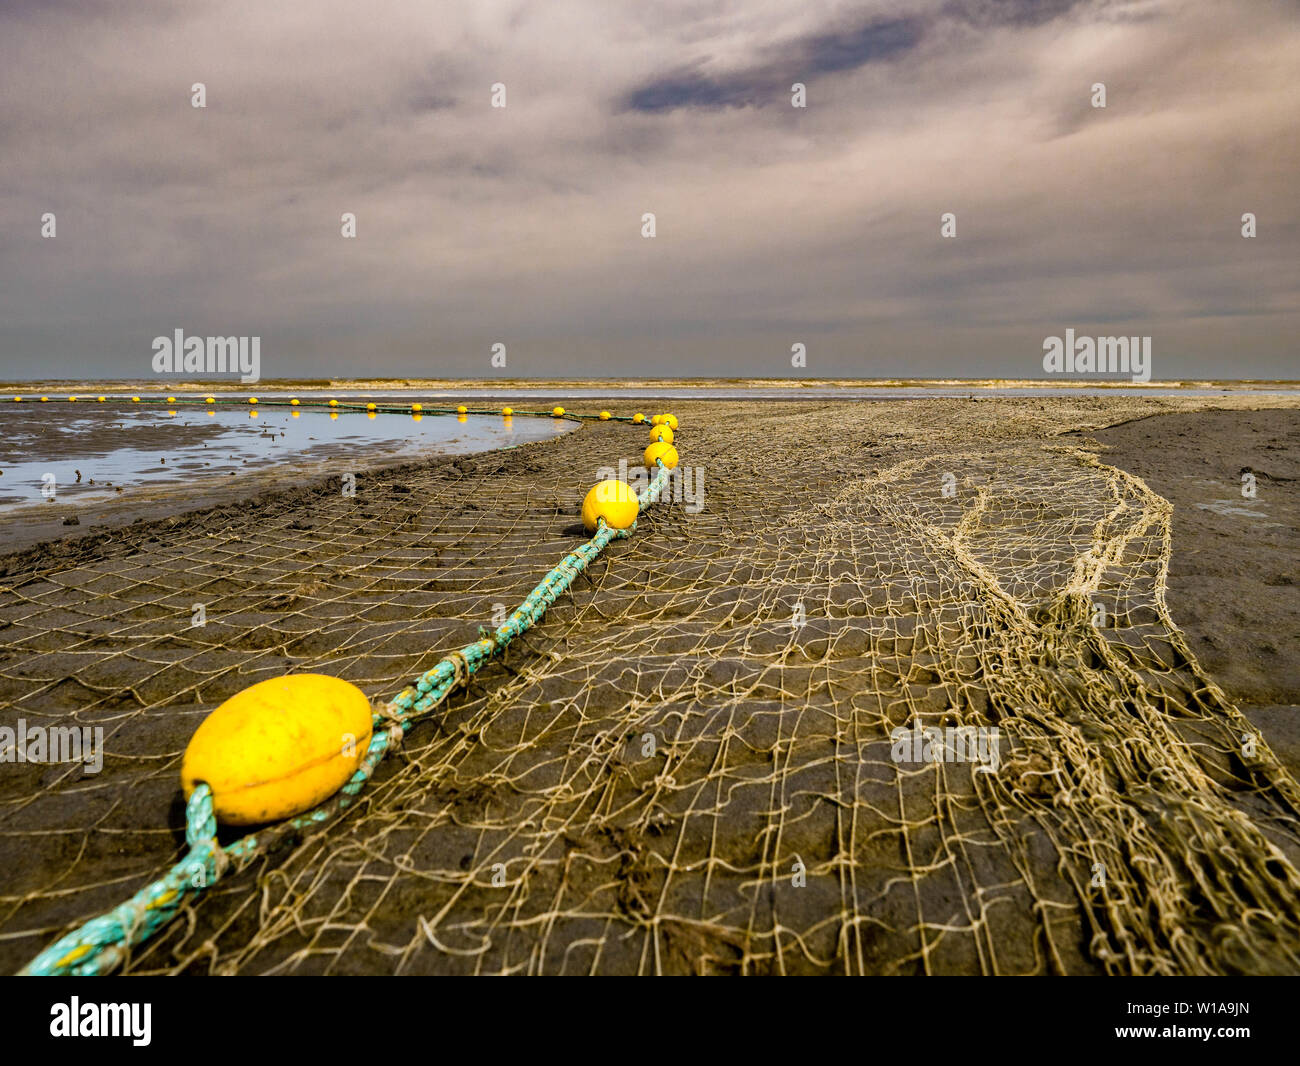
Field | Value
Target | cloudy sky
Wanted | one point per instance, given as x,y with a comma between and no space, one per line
775,225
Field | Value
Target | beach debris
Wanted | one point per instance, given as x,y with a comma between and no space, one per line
72,520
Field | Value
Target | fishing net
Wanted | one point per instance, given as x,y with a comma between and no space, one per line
692,765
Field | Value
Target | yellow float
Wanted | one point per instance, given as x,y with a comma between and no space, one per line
661,450
614,501
278,748
661,432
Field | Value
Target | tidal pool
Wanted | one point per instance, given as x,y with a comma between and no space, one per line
88,450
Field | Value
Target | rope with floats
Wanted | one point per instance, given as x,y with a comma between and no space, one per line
369,407
104,943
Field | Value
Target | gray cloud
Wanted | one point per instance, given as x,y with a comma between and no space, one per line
775,225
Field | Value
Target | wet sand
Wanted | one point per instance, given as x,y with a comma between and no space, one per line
95,630
1236,559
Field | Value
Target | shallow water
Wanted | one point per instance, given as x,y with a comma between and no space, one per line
91,451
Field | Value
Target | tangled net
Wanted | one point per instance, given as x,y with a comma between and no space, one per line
687,767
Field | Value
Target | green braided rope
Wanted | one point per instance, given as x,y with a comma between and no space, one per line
102,944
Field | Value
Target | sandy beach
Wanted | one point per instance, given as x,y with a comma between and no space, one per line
688,767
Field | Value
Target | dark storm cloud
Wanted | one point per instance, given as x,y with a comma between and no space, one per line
828,52
1009,12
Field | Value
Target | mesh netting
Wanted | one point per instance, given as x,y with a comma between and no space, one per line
687,766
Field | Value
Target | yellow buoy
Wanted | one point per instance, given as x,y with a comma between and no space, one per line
658,420
293,403
18,399
278,748
210,399
134,399
334,403
661,450
72,399
614,501
557,411
670,421
370,407
638,417
171,399
101,399
45,399
507,411
252,399
462,410
661,432
604,416
417,407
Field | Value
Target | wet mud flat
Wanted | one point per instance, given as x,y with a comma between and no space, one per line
530,826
